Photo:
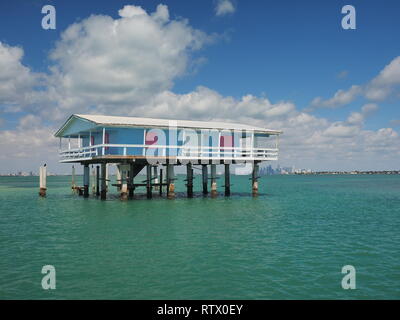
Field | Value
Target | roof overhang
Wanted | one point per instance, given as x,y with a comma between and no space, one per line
121,122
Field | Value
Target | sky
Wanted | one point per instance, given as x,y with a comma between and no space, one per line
286,65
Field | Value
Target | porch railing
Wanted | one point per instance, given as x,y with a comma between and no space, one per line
180,152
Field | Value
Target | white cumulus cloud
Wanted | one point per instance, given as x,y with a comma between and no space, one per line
387,80
224,7
341,98
106,62
378,89
17,82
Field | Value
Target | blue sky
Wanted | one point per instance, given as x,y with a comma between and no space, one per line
284,51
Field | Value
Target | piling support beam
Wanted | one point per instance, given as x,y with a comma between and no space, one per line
161,181
42,182
189,185
170,181
73,185
93,180
155,176
119,177
213,180
106,176
204,175
124,183
148,182
254,178
86,181
97,181
131,186
227,180
103,194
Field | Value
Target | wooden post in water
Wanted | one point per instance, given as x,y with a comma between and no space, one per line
227,180
204,175
106,176
170,181
189,174
119,176
73,186
131,187
103,193
155,175
123,169
214,180
254,179
97,181
167,178
86,181
148,181
161,181
42,182
93,180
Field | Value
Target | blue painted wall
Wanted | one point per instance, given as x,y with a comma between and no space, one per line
136,136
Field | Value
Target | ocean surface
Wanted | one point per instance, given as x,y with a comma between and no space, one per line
290,242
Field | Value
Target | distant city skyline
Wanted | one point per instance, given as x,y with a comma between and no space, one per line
266,169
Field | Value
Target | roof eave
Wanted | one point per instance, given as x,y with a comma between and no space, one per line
266,131
60,131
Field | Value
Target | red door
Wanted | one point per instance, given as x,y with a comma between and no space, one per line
106,140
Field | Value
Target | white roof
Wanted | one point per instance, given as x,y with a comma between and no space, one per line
165,123
134,121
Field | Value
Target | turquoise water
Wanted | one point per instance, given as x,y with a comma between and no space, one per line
291,242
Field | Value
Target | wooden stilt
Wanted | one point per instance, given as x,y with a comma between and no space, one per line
93,180
103,194
86,181
131,186
155,176
80,191
204,174
124,181
170,181
227,180
214,180
161,181
189,185
42,182
106,176
73,186
97,181
167,179
254,178
119,176
148,182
